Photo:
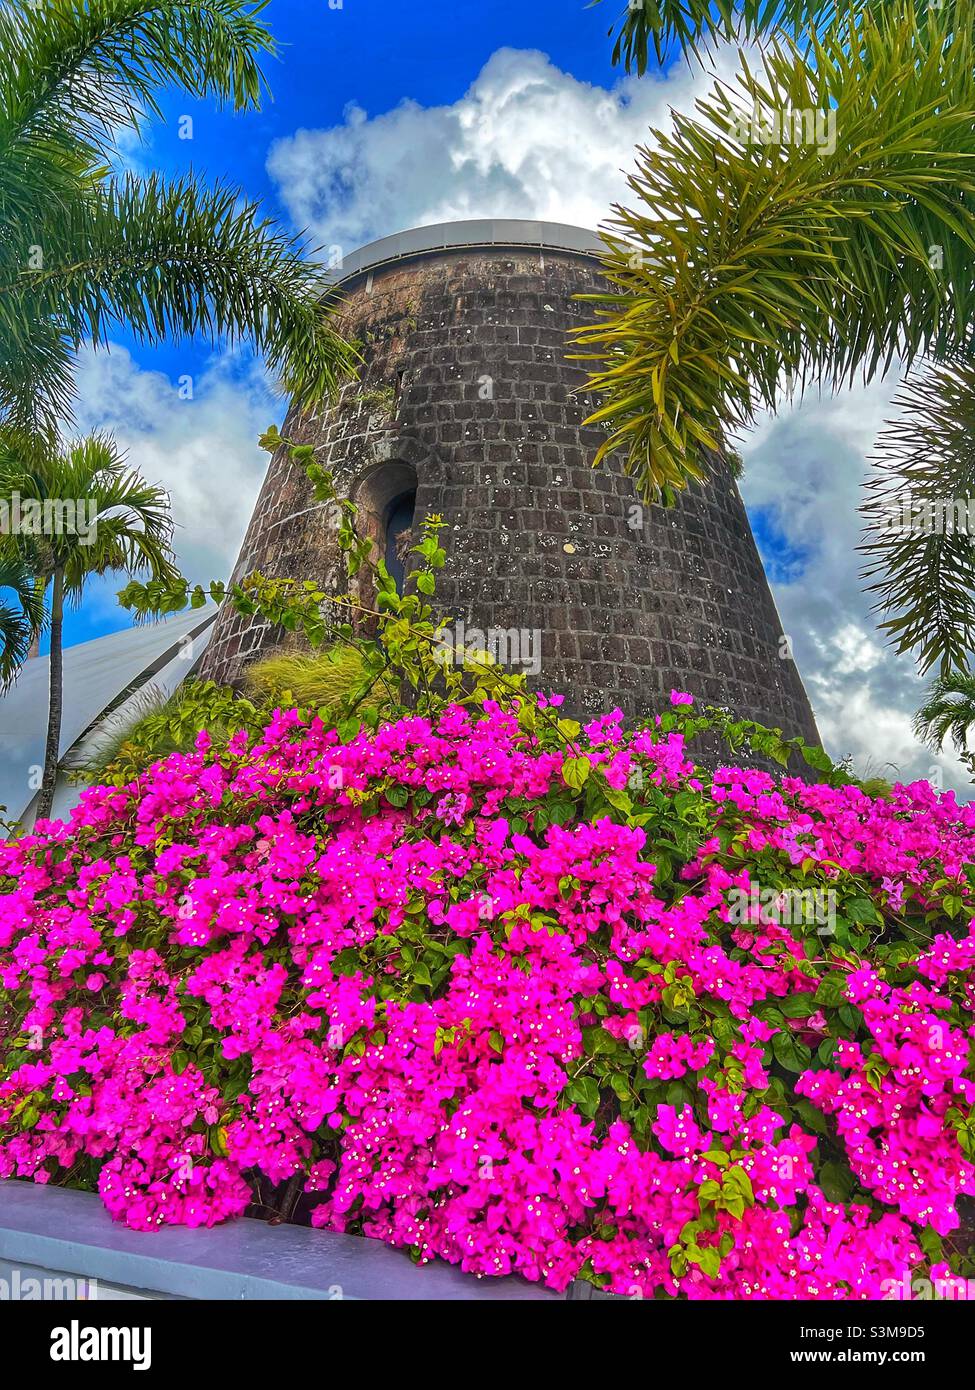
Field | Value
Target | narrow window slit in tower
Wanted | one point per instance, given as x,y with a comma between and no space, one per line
399,536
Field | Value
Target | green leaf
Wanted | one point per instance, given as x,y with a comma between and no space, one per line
836,1182
707,1258
862,910
621,1086
790,1053
811,1117
831,990
575,772
618,799
932,1244
584,1092
798,1005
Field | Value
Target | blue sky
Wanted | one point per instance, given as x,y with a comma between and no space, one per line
375,54
388,115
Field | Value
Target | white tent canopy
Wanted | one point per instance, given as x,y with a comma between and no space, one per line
96,674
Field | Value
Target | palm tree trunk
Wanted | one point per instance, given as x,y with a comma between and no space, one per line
55,697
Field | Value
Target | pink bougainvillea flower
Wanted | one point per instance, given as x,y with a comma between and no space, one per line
509,1022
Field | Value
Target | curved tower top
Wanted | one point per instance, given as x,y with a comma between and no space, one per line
479,233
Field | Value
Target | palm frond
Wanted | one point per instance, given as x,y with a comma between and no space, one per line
172,260
948,712
37,365
744,260
652,27
113,519
919,518
21,613
74,74
697,27
130,521
98,516
80,254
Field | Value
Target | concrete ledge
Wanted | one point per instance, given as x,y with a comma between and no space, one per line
57,1230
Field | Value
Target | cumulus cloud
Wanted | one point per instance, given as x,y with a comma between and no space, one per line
525,140
202,448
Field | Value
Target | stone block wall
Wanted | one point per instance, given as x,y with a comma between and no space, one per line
468,386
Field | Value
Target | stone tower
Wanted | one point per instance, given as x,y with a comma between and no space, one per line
468,406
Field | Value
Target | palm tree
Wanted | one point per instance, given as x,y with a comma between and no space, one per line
21,615
750,260
920,516
949,710
89,515
82,251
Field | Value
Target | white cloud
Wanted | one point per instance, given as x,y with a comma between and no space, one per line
203,450
525,140
804,470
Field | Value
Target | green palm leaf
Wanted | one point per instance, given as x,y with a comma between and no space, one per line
742,262
78,72
919,546
170,260
698,26
21,612
948,712
80,253
97,517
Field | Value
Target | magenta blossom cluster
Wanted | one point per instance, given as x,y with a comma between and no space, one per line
478,985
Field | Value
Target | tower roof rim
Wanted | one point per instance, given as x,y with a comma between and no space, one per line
475,233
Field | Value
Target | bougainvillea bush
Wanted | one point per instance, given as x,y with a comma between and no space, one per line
526,997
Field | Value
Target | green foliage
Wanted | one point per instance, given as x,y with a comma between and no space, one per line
742,262
81,252
742,265
119,522
747,739
382,398
128,526
921,562
949,712
21,614
148,729
309,680
698,26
